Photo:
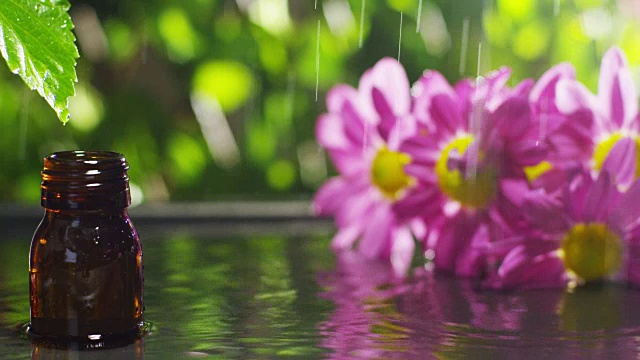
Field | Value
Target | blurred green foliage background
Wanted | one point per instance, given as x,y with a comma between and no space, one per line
216,99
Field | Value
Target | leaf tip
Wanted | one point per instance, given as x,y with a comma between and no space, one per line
64,116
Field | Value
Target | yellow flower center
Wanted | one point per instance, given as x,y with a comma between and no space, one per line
535,171
387,172
604,147
592,251
475,191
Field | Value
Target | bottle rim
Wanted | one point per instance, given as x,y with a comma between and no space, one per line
75,161
85,179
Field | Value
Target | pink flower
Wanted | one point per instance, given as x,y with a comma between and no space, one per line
613,112
569,137
587,231
470,139
361,132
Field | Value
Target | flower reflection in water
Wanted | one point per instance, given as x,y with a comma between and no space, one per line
366,322
434,315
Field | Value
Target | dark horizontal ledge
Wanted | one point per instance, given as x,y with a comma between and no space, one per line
216,219
226,211
187,211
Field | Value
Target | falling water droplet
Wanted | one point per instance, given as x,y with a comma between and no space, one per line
400,39
24,117
475,121
464,44
556,8
315,4
479,60
317,60
289,103
419,16
543,120
361,23
365,138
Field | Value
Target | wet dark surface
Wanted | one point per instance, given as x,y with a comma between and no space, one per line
247,289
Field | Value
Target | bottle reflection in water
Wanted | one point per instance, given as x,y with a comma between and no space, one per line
133,351
85,264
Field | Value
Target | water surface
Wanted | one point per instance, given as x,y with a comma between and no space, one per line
284,295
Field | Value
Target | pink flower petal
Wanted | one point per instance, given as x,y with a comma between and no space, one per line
445,114
330,133
572,96
349,162
623,102
401,250
553,181
385,112
338,95
616,89
390,78
418,228
514,190
404,128
422,149
431,83
424,174
361,203
345,238
621,162
575,194
420,201
627,214
523,88
512,118
471,259
612,61
497,79
545,212
528,267
465,88
545,88
376,238
330,197
527,153
453,242
602,193
573,140
353,124
634,124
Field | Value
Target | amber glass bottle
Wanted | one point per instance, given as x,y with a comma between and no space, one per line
85,263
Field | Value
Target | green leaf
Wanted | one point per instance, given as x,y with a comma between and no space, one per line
37,43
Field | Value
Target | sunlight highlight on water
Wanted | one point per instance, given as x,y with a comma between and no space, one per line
464,44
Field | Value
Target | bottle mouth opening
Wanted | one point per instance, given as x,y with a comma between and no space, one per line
84,167
85,179
79,160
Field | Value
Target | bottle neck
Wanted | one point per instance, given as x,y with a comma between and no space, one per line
73,213
87,201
